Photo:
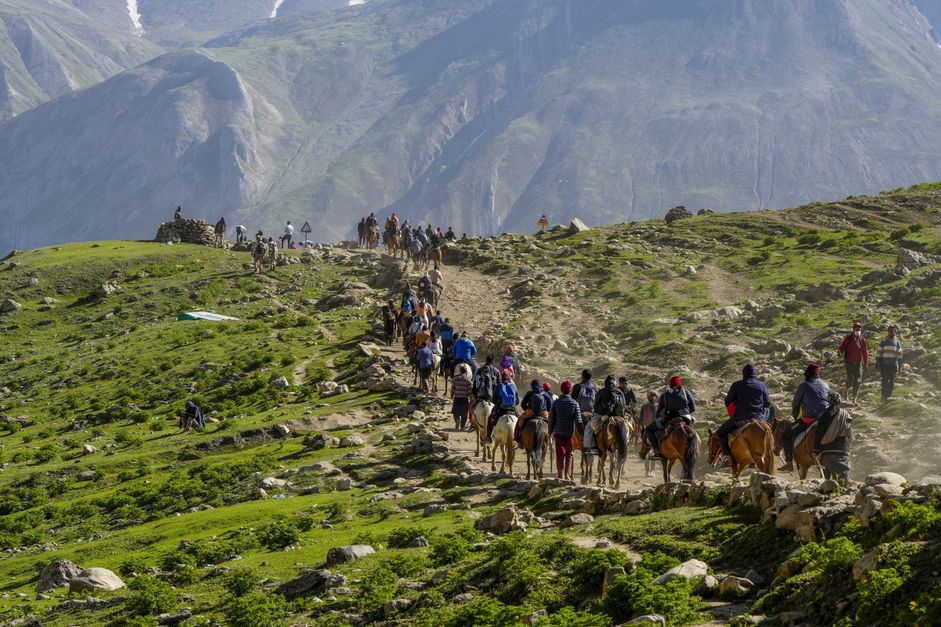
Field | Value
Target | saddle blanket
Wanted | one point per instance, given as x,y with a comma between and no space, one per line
596,422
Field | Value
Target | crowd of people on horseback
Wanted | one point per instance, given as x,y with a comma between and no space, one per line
422,245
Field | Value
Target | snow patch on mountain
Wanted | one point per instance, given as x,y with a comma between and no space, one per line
133,11
354,3
277,6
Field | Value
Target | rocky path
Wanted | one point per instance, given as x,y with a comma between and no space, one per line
473,302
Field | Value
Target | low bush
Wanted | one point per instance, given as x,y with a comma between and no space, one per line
150,596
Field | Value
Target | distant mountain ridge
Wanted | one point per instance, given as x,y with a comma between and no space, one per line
484,114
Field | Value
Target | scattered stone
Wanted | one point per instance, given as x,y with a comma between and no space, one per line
314,581
284,430
733,587
536,616
648,619
882,478
344,484
828,486
577,519
88,449
577,226
174,619
92,579
419,542
57,575
707,586
610,575
464,597
351,553
868,562
393,607
86,475
280,383
508,519
352,440
272,482
260,493
435,508
690,569
9,305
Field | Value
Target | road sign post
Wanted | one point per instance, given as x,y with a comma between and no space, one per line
306,231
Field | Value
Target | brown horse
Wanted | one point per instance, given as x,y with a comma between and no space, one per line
391,241
535,439
434,256
681,444
372,238
804,456
578,445
612,445
752,445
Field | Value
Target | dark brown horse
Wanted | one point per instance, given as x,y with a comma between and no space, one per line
578,445
752,445
391,240
612,442
535,439
804,457
681,444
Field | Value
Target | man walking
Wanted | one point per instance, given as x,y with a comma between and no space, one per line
889,360
855,353
565,417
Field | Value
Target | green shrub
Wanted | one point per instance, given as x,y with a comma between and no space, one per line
185,575
256,610
876,592
403,536
335,512
483,612
131,566
569,617
242,581
585,573
448,549
915,521
150,596
634,594
378,586
835,557
279,534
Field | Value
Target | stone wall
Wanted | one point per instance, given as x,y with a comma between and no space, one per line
186,231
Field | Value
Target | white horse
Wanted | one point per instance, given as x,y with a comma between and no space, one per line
480,415
503,439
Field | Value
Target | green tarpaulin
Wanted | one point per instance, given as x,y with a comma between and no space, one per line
203,315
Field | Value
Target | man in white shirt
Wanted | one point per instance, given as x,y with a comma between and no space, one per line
288,235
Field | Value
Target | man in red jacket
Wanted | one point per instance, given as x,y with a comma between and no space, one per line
855,353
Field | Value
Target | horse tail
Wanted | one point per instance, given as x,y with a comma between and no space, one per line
622,436
768,450
539,438
692,454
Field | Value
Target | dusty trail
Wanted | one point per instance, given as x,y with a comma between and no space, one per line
473,301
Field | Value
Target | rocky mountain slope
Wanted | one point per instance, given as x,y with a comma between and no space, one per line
51,47
326,490
485,114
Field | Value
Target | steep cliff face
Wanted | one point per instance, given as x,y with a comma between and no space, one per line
485,114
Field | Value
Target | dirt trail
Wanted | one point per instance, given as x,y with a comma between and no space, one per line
472,302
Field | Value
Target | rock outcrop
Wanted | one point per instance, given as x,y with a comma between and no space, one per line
186,231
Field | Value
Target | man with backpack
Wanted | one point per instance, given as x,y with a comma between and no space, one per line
534,406
426,363
487,382
446,333
192,416
584,394
676,403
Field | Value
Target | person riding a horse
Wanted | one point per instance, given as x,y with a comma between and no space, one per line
436,276
584,394
533,405
810,401
610,403
676,403
508,398
409,300
747,400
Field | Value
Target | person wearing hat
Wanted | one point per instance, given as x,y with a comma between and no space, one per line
889,360
747,399
564,418
584,394
508,397
832,440
810,401
855,353
676,402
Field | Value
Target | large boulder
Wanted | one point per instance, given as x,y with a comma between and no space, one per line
9,305
577,226
311,582
57,575
912,259
92,579
677,213
187,231
690,569
508,519
351,553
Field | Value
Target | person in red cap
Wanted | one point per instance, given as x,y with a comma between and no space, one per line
565,417
810,401
855,353
676,403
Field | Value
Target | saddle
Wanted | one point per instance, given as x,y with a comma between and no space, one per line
598,422
738,431
803,434
672,425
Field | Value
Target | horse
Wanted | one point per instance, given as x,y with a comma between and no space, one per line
612,444
373,241
535,439
503,440
431,295
681,444
479,416
391,240
586,464
447,371
804,457
752,445
434,256
432,378
219,230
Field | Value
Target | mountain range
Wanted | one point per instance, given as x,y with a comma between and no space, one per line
481,114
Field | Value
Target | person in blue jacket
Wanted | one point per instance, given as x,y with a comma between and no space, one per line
747,399
464,351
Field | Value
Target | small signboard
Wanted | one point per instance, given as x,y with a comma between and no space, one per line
306,228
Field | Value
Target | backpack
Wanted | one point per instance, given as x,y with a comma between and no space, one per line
485,385
613,405
586,396
507,398
407,304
